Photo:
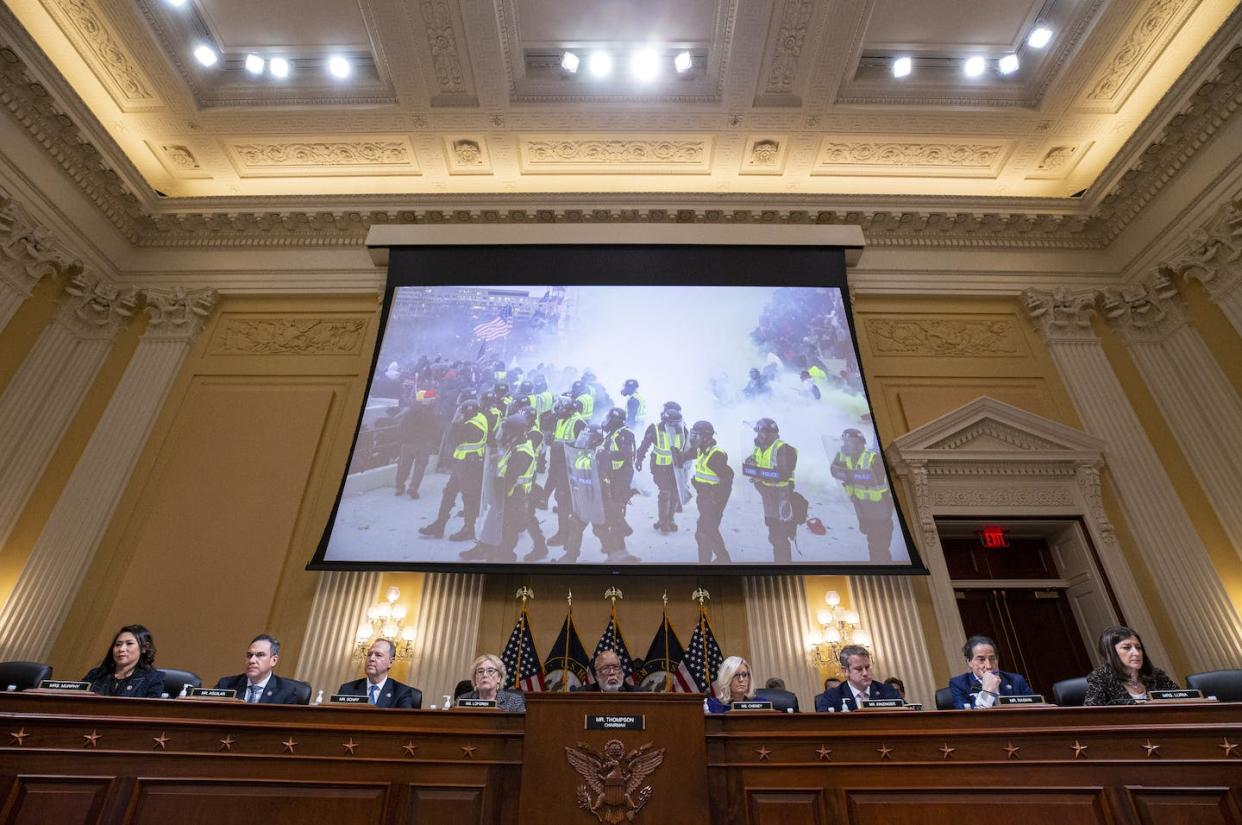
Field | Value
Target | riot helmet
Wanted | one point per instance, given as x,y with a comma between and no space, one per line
766,432
630,387
564,406
701,431
468,409
526,388
501,390
615,419
540,383
513,430
592,436
577,389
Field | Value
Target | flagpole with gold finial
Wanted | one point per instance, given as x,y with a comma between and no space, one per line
523,593
700,595
569,626
668,677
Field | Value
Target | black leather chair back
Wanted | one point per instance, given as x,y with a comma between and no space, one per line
944,699
781,700
175,680
1225,685
1070,693
23,675
418,698
302,696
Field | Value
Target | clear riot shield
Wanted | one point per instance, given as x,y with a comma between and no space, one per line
492,503
681,472
585,488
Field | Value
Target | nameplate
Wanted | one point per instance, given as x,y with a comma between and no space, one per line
212,693
346,699
59,684
757,704
1028,699
616,722
914,705
882,704
476,703
1186,693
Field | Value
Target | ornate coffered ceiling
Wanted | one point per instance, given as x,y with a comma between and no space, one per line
454,114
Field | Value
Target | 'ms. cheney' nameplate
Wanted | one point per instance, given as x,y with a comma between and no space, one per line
212,693
1185,693
1026,699
879,704
616,721
756,704
60,684
476,703
347,699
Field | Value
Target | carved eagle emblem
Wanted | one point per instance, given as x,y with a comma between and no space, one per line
614,791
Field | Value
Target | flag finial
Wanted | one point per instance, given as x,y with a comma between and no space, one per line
612,594
700,595
665,597
524,593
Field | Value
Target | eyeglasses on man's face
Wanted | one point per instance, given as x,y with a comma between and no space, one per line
608,669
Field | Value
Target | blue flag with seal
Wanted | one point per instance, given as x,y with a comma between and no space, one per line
567,664
664,668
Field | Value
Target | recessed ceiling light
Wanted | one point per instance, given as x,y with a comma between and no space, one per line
339,66
974,66
255,64
570,62
176,3
279,67
206,55
902,66
644,65
600,64
1008,64
1040,37
683,62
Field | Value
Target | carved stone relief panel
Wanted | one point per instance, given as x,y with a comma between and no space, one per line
347,155
891,156
939,337
640,154
288,336
765,155
467,155
100,45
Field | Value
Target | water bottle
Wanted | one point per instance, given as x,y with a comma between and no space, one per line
185,691
163,695
319,697
11,688
448,701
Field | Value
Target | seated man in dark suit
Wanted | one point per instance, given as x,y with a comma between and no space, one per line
609,675
380,690
985,681
856,662
259,685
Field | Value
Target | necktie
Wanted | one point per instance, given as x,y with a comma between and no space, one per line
252,693
374,693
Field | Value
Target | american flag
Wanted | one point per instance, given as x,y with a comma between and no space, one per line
703,656
614,641
521,659
498,327
567,662
665,666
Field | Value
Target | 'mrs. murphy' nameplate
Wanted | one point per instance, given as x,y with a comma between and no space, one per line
212,693
1185,693
756,704
476,703
346,699
880,704
1026,699
60,684
619,721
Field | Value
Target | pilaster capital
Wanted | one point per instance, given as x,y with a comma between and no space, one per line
28,251
1145,312
1062,315
94,308
178,314
1212,253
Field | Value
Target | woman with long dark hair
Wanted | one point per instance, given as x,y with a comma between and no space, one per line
1127,674
128,668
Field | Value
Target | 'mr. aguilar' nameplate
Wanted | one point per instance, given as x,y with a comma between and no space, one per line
60,684
878,704
1026,699
212,693
1185,693
618,721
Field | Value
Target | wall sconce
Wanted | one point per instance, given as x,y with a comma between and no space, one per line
838,628
386,620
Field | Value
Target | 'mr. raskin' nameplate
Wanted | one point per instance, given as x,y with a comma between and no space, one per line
756,704
476,703
1027,699
616,722
60,684
1185,693
212,693
879,704
347,699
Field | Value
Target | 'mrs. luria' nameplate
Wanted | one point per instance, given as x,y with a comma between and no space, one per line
1184,693
1026,699
346,699
476,703
60,684
212,693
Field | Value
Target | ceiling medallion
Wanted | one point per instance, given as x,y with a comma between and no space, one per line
614,791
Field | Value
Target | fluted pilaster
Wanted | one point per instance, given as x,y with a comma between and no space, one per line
32,616
777,624
1198,401
1212,255
887,610
445,633
341,603
1207,623
27,254
44,395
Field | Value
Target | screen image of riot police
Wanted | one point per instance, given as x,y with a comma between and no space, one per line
618,426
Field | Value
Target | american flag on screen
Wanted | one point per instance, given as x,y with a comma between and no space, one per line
664,668
703,656
498,327
612,640
525,671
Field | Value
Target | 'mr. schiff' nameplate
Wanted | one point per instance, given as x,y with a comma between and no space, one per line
878,704
1156,695
757,704
1028,699
616,722
59,684
346,699
476,703
212,693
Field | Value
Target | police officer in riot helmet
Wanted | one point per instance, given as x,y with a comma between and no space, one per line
582,470
666,439
865,483
771,469
581,392
635,404
568,425
511,485
713,484
616,470
503,399
468,436
539,548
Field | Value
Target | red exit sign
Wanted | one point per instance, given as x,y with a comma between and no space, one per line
994,537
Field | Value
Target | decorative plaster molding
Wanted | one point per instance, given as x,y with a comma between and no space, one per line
467,155
95,308
289,336
549,154
178,313
1140,41
1212,254
898,157
985,495
1149,311
765,155
28,251
335,157
987,434
790,39
1063,314
941,337
442,41
99,44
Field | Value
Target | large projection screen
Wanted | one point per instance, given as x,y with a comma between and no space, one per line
630,408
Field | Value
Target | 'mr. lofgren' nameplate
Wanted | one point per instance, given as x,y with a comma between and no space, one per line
616,722
1185,693
1026,699
60,684
212,693
476,703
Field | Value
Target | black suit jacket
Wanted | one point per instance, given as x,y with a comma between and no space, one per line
843,693
594,687
142,683
278,691
394,695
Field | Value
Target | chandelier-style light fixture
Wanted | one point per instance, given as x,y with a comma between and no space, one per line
838,627
386,620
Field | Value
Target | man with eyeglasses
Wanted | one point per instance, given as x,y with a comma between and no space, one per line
609,675
259,685
381,691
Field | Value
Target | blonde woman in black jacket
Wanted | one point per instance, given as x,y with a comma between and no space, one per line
1126,675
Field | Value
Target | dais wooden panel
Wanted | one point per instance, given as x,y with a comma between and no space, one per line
435,804
1185,806
65,800
211,801
792,807
952,806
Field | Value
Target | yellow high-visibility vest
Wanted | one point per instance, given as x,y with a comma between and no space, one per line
863,492
565,428
617,464
662,451
526,479
766,460
702,473
475,448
